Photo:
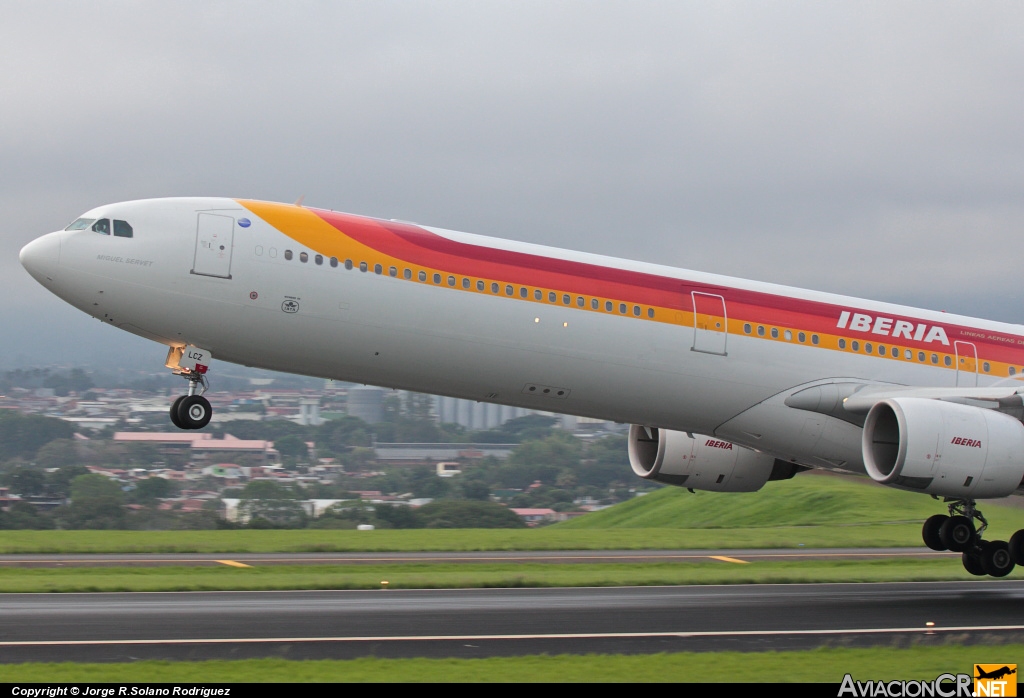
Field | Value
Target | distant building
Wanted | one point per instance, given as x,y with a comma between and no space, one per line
200,445
532,517
448,469
367,403
428,454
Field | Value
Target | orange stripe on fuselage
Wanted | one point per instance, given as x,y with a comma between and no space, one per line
403,245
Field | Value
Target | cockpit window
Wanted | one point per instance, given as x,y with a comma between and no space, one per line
81,224
122,229
102,226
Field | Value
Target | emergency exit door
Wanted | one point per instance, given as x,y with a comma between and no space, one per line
710,323
966,364
214,237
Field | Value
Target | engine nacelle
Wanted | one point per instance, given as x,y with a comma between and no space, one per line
700,462
943,448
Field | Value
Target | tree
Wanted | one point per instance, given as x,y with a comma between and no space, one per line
24,516
151,489
93,486
463,513
24,434
58,483
292,446
57,454
102,512
267,504
27,482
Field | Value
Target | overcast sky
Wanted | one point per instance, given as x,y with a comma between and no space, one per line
873,149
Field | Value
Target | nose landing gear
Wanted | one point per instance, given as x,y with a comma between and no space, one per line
190,411
957,532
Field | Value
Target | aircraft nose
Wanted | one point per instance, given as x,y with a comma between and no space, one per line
41,257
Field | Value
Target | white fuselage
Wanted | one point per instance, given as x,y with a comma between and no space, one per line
678,364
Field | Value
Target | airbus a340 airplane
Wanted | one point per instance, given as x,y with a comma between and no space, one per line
779,379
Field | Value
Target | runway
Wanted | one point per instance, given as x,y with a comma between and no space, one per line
499,622
534,556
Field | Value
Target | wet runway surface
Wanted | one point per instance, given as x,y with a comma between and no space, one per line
496,622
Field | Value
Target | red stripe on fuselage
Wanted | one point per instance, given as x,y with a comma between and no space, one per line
421,247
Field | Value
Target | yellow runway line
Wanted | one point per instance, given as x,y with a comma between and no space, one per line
723,558
232,563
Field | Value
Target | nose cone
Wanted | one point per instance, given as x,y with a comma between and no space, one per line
41,258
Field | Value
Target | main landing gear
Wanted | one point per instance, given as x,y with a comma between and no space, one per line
192,410
957,532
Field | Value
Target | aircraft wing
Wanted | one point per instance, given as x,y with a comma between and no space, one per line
851,400
864,399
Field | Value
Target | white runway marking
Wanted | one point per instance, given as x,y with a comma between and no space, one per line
552,636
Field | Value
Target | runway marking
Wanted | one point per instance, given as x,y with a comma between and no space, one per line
439,559
723,558
232,563
550,636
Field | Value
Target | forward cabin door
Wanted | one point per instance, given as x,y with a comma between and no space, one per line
215,234
966,365
710,323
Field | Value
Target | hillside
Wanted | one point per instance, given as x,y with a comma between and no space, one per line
810,499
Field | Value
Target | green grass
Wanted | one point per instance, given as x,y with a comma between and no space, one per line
476,575
807,500
455,539
811,510
826,665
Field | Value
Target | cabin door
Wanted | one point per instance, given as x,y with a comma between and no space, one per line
966,365
214,237
710,323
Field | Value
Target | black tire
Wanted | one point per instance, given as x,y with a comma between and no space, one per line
996,559
972,564
174,413
957,533
930,531
1017,547
194,412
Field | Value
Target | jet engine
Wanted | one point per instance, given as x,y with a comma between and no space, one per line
943,448
701,462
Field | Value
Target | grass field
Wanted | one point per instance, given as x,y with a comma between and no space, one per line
475,575
811,510
827,665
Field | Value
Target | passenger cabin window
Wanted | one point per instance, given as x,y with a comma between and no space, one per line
288,254
303,257
102,226
122,229
81,224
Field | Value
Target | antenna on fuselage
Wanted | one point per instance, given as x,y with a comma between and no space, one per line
298,201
